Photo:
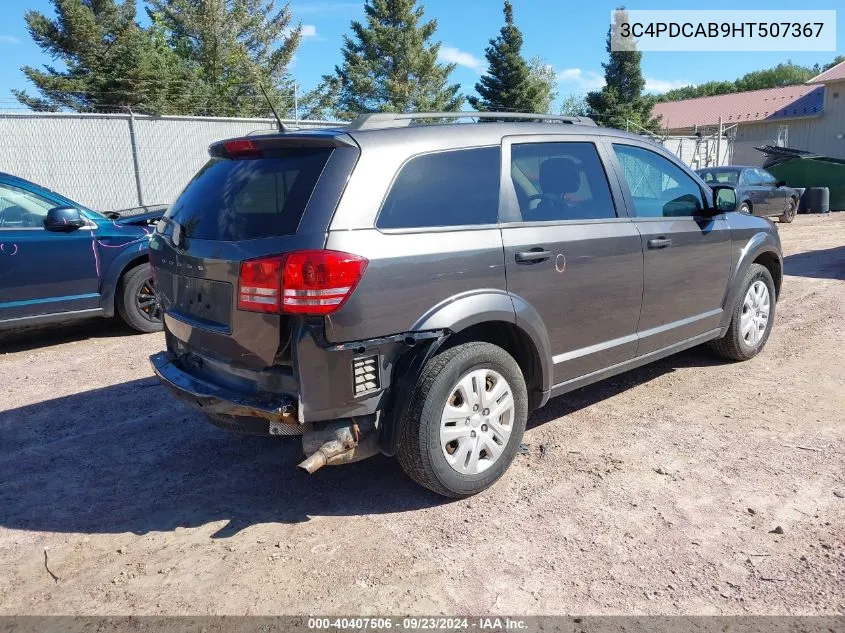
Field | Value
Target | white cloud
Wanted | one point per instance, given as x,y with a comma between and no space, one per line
663,85
452,55
8,39
585,80
581,80
307,32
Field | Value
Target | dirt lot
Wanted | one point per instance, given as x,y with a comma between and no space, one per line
144,508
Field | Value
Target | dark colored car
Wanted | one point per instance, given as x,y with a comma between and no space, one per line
757,191
61,261
419,289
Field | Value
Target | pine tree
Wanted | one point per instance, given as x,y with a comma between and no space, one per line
110,62
507,86
620,103
389,65
238,45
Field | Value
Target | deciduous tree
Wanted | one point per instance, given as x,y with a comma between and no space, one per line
574,105
543,78
785,74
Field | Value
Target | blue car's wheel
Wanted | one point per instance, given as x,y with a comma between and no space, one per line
137,304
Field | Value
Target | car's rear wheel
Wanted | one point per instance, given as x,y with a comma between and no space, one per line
136,301
752,318
789,214
745,208
466,420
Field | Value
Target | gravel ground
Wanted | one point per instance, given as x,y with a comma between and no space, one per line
692,486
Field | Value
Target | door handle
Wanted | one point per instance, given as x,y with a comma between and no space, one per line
532,256
659,242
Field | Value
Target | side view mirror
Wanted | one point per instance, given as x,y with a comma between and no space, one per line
63,219
780,183
724,198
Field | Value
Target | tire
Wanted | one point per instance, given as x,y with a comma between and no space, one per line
734,345
423,453
135,282
789,215
745,208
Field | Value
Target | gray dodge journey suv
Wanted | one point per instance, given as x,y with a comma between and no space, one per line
418,289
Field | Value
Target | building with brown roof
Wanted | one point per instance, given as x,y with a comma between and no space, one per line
810,117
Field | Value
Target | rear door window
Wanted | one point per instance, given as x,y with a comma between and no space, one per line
752,178
765,178
560,181
452,188
233,200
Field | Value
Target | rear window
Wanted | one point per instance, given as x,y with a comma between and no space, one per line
719,176
452,188
234,200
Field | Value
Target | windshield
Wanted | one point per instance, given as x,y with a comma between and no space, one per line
719,176
244,199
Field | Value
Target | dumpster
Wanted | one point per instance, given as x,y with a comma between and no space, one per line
798,168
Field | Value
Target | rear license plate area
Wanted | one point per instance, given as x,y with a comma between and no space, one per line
202,300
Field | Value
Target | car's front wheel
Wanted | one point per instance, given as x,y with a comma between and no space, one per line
465,421
136,301
752,318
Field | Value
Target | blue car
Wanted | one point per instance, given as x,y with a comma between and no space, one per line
61,261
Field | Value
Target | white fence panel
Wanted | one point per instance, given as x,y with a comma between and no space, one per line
96,159
85,157
172,150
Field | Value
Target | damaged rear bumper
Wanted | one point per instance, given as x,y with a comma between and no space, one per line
214,399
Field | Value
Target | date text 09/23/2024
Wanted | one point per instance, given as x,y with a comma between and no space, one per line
419,623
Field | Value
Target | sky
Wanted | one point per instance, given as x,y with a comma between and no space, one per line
569,35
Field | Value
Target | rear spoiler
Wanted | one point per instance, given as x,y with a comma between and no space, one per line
255,146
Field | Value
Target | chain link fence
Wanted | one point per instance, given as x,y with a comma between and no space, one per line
115,161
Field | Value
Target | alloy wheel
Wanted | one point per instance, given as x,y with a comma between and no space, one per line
756,308
147,303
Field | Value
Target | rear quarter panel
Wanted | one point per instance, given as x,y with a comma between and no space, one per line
409,274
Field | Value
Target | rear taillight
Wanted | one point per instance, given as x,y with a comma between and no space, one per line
260,283
318,282
303,282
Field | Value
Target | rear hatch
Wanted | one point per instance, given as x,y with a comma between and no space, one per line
257,197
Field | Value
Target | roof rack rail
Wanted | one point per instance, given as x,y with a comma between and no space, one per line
379,120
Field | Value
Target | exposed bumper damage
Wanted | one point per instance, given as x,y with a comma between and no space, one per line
211,398
354,430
